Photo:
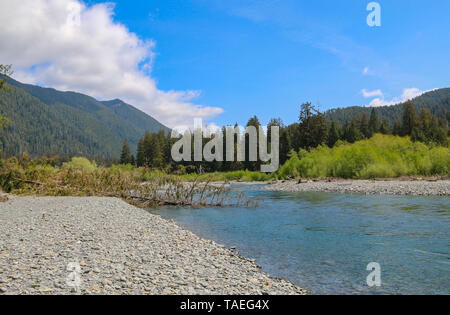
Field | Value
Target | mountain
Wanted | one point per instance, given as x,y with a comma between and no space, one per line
45,121
437,102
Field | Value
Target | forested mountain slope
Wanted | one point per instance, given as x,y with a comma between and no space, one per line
437,102
46,122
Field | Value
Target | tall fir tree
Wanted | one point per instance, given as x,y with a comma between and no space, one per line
313,127
364,126
374,123
409,121
125,157
333,134
140,155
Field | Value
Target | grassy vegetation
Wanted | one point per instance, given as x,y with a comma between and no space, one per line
81,177
381,156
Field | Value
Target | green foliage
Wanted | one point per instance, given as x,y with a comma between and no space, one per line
126,157
381,156
313,127
81,163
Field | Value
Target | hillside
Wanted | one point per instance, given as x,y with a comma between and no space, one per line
437,102
46,122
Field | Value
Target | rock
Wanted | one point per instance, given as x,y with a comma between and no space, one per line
120,249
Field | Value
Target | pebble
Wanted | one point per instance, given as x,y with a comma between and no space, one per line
366,187
119,249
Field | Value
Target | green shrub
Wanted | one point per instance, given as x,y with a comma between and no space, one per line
81,162
379,157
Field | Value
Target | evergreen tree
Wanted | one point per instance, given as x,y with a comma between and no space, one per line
409,121
285,145
384,127
140,155
313,127
148,149
397,129
364,126
353,133
374,123
333,134
125,157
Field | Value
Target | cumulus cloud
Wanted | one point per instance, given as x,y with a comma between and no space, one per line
369,94
408,94
70,46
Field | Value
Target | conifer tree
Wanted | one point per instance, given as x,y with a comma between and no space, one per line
374,123
125,157
410,120
140,155
333,135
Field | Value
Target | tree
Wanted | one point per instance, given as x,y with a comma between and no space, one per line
364,126
125,157
333,134
410,120
285,145
384,127
429,130
397,129
313,127
140,155
374,123
352,132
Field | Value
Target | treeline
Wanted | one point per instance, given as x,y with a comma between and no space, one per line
436,101
312,130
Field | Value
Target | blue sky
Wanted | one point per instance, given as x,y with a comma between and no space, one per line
267,57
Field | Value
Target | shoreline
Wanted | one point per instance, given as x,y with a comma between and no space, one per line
120,249
365,187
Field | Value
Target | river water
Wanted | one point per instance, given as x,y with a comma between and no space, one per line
324,241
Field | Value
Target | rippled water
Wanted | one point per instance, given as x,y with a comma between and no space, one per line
324,241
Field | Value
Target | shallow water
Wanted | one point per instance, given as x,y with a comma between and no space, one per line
324,242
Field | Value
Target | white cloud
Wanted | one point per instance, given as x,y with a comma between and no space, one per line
408,94
50,44
366,71
369,94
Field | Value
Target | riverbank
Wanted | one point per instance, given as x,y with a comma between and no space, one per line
120,249
367,187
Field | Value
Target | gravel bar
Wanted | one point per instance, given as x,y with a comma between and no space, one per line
367,187
120,249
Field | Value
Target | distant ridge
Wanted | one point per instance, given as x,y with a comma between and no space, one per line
45,121
437,102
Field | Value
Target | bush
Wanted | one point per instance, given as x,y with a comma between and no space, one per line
379,157
81,162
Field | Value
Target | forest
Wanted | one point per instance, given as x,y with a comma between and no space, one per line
313,132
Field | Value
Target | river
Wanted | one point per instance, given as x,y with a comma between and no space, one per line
324,242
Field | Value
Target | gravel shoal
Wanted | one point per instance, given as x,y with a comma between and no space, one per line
120,250
409,188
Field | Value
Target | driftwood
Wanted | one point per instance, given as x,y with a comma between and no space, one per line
153,201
